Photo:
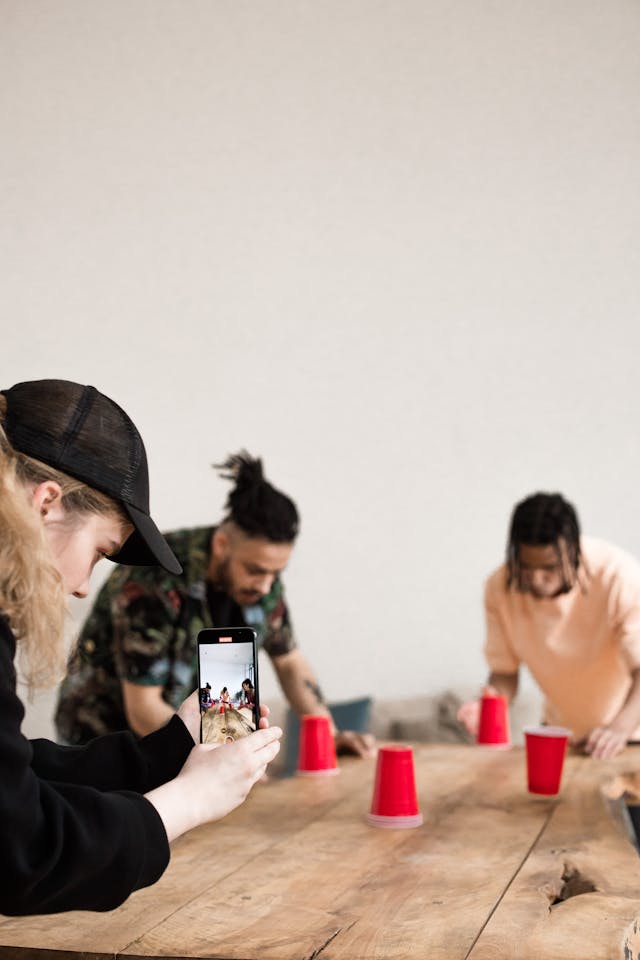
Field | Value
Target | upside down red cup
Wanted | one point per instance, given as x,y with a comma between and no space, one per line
395,801
493,728
546,749
317,749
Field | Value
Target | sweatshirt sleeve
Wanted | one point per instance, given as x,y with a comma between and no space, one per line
65,845
623,577
498,649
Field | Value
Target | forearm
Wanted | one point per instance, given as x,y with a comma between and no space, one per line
506,684
144,724
304,694
628,718
144,708
300,685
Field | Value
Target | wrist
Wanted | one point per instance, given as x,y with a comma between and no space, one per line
169,802
179,808
623,725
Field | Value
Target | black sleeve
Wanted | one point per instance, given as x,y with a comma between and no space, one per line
68,846
117,761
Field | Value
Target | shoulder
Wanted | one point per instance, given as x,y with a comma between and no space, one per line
608,564
495,586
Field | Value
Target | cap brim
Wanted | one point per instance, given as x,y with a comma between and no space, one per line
146,546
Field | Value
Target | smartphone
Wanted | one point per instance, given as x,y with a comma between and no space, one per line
227,684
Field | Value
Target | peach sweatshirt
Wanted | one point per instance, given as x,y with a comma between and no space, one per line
581,646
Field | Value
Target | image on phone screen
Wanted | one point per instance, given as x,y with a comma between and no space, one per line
228,684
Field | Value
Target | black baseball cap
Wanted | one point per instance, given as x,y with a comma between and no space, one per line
77,430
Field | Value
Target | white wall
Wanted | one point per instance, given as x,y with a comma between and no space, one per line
390,246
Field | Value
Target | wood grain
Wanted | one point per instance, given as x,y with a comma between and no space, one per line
578,894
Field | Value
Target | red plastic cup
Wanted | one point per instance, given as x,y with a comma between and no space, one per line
546,749
317,750
395,801
493,728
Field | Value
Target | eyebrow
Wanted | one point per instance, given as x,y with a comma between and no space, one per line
260,569
541,566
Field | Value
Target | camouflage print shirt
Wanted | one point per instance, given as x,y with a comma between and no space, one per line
143,629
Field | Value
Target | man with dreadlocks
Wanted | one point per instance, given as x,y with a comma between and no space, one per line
136,658
568,607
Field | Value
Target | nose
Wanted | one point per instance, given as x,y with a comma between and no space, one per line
82,591
263,585
538,579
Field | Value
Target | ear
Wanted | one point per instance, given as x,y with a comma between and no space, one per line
220,544
47,497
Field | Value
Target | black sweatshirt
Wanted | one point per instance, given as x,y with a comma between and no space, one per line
75,831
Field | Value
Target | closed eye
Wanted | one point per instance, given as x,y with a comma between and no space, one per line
110,550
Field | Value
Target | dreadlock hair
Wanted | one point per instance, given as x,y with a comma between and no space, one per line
254,504
541,520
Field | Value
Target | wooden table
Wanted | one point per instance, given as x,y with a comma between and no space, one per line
297,874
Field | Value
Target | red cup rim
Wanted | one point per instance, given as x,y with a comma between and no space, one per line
324,772
379,820
542,730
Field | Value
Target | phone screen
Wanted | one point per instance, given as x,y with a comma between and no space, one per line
228,684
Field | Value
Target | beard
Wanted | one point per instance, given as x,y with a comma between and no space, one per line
222,578
224,582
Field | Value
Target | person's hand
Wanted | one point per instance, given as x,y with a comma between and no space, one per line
360,744
238,765
469,716
189,713
190,800
469,713
606,742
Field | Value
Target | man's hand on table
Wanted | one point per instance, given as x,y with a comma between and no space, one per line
603,743
469,716
360,744
608,741
469,713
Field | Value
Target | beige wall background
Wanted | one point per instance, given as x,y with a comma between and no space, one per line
389,245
